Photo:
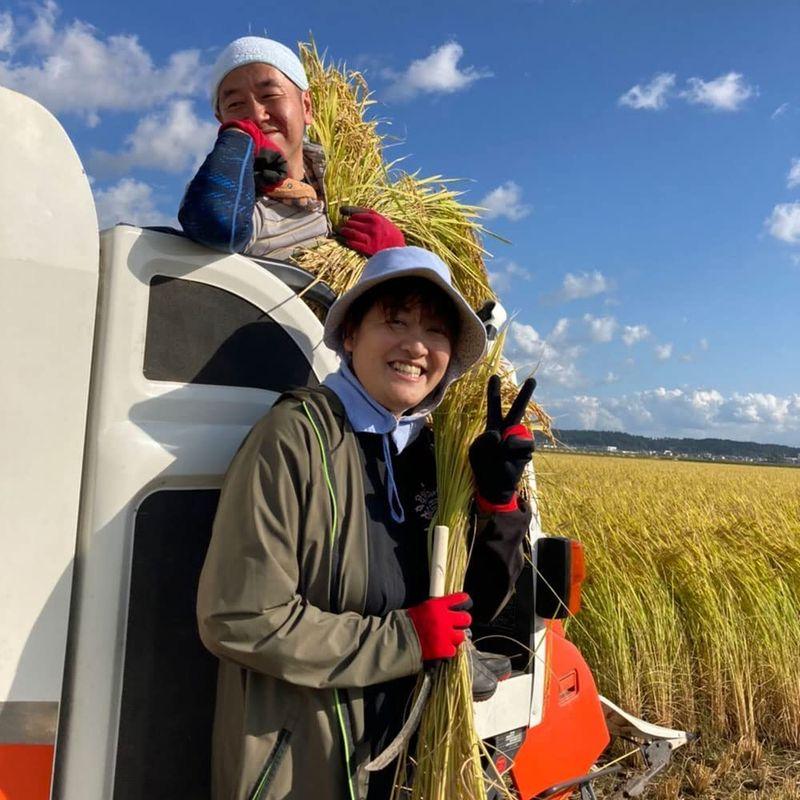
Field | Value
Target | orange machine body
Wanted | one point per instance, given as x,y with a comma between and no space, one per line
573,732
25,771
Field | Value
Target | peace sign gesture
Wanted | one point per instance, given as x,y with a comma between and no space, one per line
499,455
495,421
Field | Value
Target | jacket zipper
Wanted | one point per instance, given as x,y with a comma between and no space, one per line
336,547
271,764
337,543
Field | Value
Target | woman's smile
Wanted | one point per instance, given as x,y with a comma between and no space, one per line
406,371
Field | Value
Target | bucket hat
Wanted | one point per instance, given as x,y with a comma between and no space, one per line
407,262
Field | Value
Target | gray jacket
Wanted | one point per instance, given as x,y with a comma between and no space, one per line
280,603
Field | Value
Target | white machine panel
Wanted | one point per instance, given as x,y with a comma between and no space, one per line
48,291
146,436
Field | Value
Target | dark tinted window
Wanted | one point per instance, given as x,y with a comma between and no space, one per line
169,682
202,334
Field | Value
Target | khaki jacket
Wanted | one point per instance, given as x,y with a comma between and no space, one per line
280,603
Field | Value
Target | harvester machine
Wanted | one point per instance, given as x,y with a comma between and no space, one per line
134,363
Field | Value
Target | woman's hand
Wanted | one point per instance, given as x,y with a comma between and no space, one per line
440,623
499,455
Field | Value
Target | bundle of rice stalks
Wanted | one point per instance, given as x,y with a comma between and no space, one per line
447,760
446,764
427,210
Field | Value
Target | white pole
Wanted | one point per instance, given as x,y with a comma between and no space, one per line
441,534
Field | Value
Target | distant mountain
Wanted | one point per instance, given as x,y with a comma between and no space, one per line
714,448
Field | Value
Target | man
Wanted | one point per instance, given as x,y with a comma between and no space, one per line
260,191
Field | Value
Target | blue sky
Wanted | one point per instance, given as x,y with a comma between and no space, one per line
643,159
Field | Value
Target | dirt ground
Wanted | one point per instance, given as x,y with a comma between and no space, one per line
744,771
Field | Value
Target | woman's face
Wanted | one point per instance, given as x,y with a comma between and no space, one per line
399,356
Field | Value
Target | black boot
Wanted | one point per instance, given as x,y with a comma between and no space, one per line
484,681
487,670
500,666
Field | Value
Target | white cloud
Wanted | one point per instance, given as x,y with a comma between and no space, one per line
601,329
585,330
663,351
764,409
6,32
611,377
437,73
651,96
506,275
128,200
780,111
578,287
527,339
784,223
793,178
725,93
172,140
634,333
754,416
584,412
71,68
561,331
703,344
505,201
551,357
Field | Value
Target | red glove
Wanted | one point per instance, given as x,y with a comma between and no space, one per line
269,165
367,232
440,624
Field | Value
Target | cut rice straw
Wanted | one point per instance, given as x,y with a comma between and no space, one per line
447,764
426,209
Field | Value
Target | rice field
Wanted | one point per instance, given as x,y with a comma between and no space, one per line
691,607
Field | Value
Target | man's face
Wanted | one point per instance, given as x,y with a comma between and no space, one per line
263,94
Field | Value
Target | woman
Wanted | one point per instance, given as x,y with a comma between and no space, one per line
314,590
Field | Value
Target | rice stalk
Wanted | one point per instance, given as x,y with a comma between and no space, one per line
426,209
446,764
431,215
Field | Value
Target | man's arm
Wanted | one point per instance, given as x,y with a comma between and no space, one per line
217,209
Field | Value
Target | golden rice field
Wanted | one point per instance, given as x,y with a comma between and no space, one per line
691,612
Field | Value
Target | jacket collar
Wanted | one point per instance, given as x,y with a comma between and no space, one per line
366,415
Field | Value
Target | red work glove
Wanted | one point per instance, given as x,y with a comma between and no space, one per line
269,166
367,232
499,455
440,624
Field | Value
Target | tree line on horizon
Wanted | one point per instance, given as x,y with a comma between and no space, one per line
684,446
